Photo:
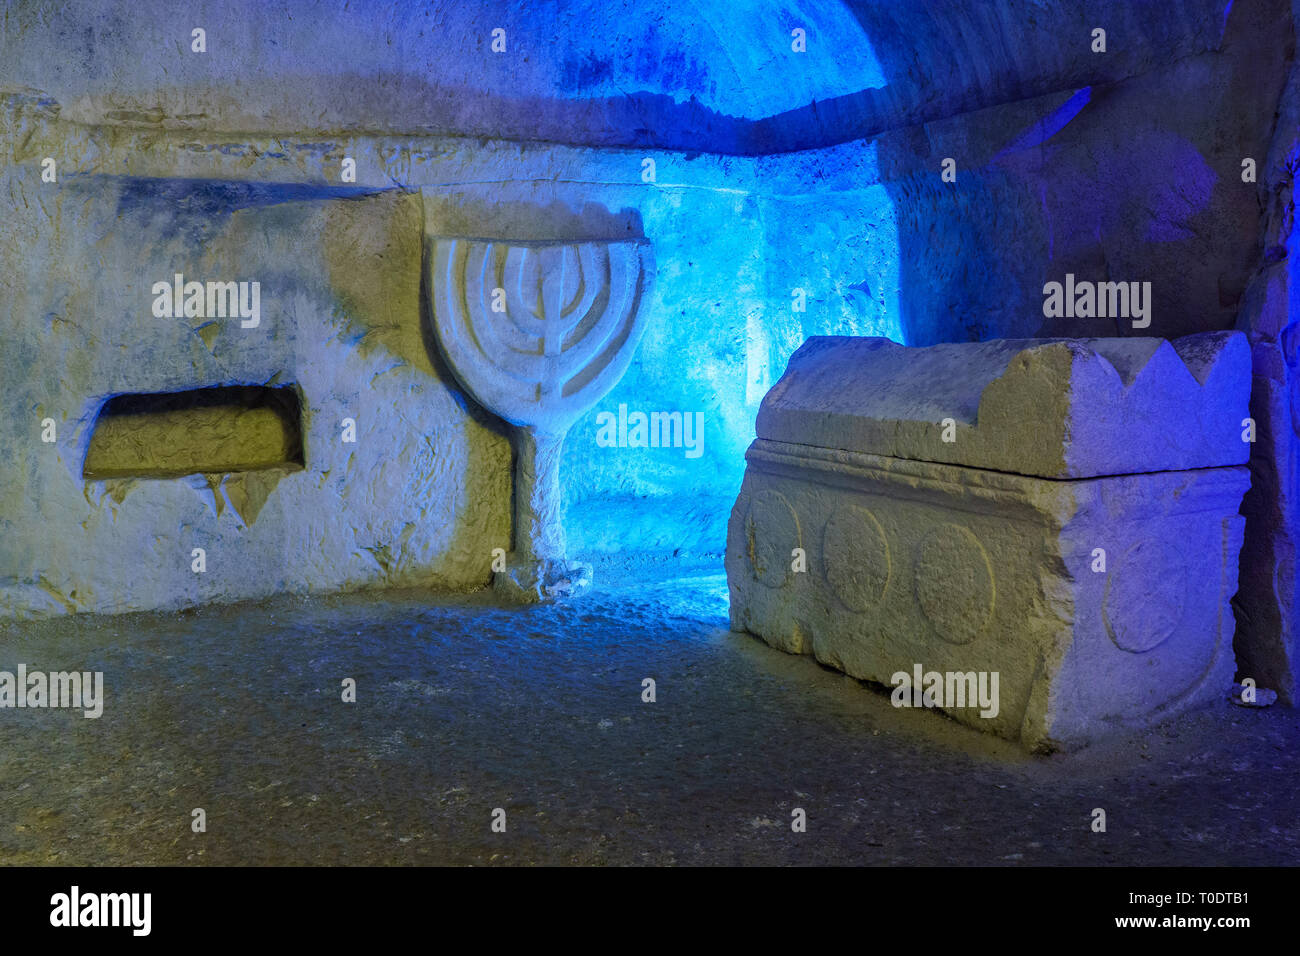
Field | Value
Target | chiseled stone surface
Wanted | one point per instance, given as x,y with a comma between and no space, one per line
1099,601
1045,133
538,333
1268,604
1068,408
852,225
713,75
967,570
340,321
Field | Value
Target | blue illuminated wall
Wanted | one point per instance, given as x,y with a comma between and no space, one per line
795,192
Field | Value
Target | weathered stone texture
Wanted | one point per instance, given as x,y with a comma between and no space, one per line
967,569
342,324
774,173
538,333
1073,408
1268,604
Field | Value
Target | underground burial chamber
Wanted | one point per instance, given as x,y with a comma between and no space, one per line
774,181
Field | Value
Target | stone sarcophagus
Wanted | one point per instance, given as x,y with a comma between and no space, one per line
1039,537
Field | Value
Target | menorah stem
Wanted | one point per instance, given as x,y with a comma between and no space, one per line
538,570
539,519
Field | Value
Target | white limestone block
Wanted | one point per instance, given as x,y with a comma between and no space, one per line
1056,408
1100,602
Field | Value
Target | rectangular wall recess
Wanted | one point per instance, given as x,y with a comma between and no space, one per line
212,430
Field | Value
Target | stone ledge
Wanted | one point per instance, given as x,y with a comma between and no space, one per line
1052,408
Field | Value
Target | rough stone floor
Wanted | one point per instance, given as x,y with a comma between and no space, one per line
463,708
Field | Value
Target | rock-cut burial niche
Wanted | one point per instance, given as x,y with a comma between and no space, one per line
212,430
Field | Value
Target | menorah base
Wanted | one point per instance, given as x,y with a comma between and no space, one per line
534,581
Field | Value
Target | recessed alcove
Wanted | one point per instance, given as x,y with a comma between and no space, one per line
214,430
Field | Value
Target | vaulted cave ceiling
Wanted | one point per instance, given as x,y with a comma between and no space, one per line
710,76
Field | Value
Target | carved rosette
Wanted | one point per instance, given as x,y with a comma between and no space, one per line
954,583
856,556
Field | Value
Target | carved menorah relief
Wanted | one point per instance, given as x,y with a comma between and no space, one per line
538,332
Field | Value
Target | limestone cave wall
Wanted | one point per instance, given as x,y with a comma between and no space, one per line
785,193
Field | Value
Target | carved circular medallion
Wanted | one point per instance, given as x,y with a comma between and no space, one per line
1146,594
954,583
855,555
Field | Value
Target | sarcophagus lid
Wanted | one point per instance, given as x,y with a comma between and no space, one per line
1051,408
